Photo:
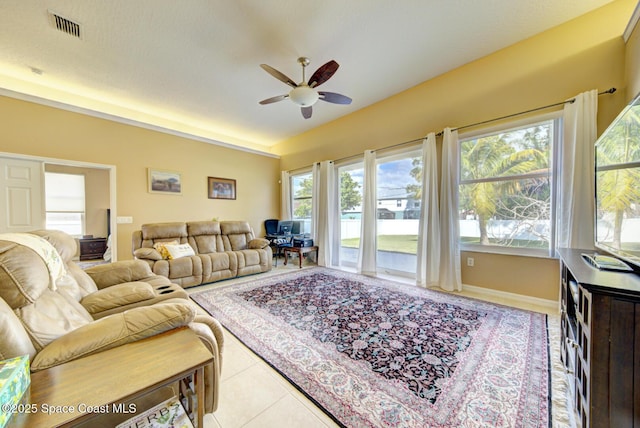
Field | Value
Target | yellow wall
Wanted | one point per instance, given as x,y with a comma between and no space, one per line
632,61
580,55
43,131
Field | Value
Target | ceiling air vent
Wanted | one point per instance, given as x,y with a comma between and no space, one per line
65,25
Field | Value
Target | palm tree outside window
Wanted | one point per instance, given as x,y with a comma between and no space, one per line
506,190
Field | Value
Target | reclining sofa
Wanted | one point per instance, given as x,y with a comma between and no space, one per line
55,312
209,251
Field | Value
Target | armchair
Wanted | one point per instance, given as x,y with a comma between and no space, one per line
55,320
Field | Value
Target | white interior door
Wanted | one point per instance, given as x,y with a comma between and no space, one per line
22,195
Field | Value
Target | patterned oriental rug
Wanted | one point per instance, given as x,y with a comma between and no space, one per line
373,353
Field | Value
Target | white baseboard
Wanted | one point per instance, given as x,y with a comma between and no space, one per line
550,304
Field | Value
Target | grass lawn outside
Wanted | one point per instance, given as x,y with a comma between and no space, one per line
395,243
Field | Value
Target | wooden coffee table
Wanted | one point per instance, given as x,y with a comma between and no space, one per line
301,251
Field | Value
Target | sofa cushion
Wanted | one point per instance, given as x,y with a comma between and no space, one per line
15,341
164,231
53,315
178,251
205,236
65,244
23,274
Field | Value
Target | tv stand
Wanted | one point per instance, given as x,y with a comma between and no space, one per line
600,346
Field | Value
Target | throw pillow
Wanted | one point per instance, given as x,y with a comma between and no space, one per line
161,248
178,251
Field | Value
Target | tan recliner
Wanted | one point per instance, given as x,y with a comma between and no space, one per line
53,323
109,288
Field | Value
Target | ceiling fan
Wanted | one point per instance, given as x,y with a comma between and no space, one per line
304,93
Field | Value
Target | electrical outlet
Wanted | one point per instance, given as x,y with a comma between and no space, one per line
470,261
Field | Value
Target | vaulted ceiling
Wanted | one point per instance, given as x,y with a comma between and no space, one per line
193,67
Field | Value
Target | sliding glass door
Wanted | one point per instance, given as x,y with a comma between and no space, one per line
398,196
350,199
398,212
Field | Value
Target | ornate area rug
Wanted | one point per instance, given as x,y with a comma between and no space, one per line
373,353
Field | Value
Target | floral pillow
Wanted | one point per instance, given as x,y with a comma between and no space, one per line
161,247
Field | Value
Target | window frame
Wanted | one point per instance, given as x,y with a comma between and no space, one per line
557,118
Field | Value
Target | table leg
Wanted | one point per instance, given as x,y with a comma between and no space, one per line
199,386
300,258
286,256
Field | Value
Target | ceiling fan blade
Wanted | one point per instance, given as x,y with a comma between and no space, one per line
323,74
332,97
306,112
275,73
274,99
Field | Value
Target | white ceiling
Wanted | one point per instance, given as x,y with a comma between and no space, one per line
192,66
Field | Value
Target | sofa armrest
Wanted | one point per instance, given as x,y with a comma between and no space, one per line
112,331
109,274
147,254
117,296
258,243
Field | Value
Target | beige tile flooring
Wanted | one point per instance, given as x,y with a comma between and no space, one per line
253,395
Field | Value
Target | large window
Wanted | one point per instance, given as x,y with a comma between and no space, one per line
506,193
65,207
301,201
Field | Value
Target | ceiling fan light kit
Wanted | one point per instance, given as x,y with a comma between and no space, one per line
304,93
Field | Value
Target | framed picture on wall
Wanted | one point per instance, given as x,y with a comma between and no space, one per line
162,181
221,188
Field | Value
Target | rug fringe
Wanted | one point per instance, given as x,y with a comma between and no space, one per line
561,408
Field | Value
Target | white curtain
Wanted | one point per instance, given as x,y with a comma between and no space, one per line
575,227
450,276
315,199
285,196
367,253
325,216
427,273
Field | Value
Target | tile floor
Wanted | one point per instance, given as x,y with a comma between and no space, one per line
252,394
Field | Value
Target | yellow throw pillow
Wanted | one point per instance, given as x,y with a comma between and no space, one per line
161,247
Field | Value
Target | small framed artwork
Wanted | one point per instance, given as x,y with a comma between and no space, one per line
221,188
162,181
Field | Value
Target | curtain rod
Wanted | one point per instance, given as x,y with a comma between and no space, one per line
439,134
571,101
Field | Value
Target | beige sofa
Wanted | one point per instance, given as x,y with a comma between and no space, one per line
219,250
56,315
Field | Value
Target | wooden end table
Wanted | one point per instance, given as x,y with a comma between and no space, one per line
301,251
64,395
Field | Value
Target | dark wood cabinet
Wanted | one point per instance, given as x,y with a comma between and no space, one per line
600,346
92,248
